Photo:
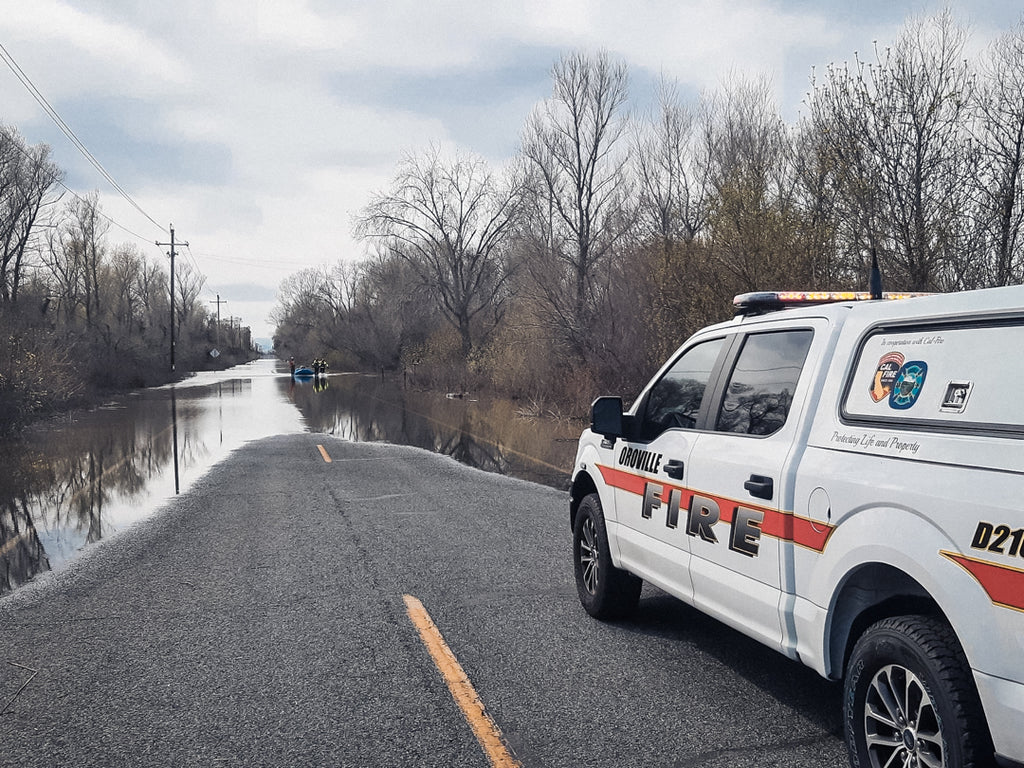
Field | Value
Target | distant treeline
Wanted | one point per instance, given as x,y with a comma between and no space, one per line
610,238
79,315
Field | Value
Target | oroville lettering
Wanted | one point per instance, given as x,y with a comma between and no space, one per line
644,461
702,515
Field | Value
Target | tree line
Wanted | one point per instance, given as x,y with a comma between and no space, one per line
79,314
610,238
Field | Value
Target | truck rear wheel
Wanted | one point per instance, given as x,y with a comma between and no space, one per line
909,699
605,591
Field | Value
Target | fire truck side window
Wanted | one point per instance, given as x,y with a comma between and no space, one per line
760,389
675,400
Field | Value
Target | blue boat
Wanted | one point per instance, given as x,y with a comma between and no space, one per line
303,373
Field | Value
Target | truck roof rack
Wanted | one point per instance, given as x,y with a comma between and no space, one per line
761,302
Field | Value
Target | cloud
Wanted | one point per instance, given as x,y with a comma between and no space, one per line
477,106
292,24
92,45
250,291
260,128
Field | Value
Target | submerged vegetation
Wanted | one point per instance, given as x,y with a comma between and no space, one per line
610,238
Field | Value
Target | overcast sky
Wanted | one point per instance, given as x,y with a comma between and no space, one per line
260,127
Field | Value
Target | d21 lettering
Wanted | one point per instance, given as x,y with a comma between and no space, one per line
702,515
998,538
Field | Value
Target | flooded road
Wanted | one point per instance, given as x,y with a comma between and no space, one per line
76,480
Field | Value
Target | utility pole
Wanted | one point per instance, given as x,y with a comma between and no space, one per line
218,302
172,244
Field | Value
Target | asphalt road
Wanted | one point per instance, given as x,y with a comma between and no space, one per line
259,621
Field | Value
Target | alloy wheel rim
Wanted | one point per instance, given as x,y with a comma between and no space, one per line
588,555
901,726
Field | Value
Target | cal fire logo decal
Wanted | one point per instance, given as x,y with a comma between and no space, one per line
885,375
898,381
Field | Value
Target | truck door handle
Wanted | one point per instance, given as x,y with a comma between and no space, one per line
674,469
760,487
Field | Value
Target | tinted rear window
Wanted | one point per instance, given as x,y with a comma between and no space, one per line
969,376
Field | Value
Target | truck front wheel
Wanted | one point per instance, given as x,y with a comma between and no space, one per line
605,591
909,699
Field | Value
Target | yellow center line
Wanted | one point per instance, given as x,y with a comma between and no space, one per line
484,728
323,452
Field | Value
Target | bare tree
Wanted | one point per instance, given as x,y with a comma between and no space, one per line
300,293
577,153
152,290
754,227
303,306
1000,110
125,265
818,200
673,172
896,131
27,176
390,314
76,250
451,221
188,285
65,275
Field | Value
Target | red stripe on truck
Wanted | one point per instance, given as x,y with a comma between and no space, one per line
1004,584
784,526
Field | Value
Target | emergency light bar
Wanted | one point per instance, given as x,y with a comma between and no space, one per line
770,301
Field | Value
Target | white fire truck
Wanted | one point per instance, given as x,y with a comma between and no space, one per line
842,480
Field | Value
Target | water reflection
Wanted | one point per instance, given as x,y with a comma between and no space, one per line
79,479
73,481
489,434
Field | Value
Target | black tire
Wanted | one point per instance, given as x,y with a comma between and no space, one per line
909,699
606,592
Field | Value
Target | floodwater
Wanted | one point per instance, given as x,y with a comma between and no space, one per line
81,478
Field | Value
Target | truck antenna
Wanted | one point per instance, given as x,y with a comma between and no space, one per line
875,281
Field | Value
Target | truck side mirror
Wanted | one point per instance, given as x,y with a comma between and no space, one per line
606,417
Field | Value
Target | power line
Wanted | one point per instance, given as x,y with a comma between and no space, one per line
192,260
80,146
103,215
17,145
70,134
66,130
